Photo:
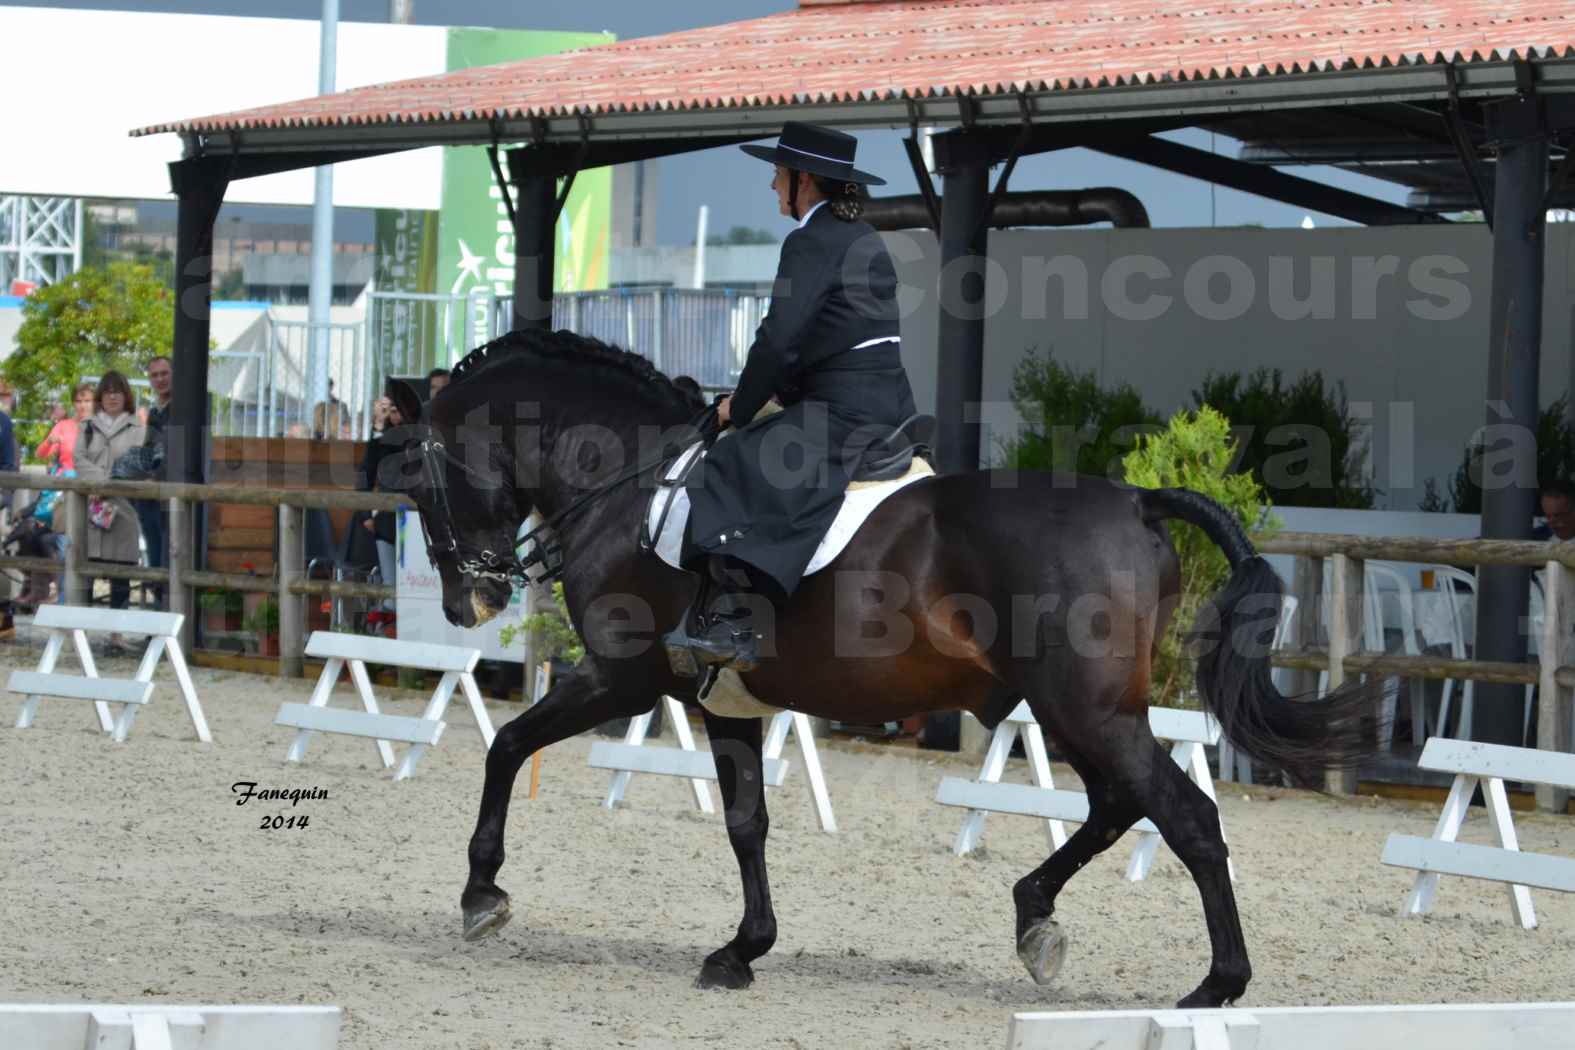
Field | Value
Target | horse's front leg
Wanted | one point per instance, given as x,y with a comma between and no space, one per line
736,746
573,706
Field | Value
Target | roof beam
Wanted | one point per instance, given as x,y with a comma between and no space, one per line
1264,182
1353,151
562,159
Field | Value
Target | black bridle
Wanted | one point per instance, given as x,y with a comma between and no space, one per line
483,563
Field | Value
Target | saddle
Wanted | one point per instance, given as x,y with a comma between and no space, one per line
898,459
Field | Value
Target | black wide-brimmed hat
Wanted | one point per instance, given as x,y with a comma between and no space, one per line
817,150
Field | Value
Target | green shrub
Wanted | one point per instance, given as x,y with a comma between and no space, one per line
1073,424
1303,433
1555,458
559,642
1195,451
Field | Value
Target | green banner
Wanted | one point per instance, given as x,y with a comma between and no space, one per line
476,253
405,260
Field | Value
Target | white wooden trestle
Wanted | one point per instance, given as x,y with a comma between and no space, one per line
1188,732
456,663
162,630
698,767
1502,1026
150,1026
1489,765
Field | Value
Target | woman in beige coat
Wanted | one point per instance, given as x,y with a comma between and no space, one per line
104,437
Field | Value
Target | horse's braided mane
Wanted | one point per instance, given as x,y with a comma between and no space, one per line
567,346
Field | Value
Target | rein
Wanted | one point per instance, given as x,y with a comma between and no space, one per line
487,564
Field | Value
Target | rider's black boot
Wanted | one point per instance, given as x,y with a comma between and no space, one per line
725,632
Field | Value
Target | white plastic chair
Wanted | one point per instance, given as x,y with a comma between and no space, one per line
1448,577
1406,603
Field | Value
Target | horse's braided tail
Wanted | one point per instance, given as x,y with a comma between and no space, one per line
1233,633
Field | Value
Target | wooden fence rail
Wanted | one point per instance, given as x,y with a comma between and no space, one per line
288,583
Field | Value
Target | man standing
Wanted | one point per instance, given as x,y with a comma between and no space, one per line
1558,507
151,514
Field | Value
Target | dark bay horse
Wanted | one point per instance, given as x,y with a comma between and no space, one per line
960,591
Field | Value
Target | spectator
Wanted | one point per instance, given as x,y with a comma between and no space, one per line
437,379
1558,507
151,513
330,418
381,524
60,447
35,535
111,432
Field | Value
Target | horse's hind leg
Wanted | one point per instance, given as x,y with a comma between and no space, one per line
736,746
1138,777
1189,821
1041,943
571,707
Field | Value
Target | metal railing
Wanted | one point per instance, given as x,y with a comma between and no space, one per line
289,584
1342,654
702,333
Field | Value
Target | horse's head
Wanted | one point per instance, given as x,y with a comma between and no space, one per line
470,511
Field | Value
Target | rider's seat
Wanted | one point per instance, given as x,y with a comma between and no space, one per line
891,456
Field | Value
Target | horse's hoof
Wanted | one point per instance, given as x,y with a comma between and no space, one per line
1043,950
1207,998
488,919
725,973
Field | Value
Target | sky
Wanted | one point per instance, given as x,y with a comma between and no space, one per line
736,187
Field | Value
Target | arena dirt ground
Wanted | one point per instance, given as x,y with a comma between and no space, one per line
131,875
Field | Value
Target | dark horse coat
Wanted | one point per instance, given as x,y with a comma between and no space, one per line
768,492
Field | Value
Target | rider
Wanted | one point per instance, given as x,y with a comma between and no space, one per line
829,351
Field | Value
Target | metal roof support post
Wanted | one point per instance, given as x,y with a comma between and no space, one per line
1514,350
534,207
964,163
199,184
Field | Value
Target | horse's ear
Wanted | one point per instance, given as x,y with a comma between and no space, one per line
405,399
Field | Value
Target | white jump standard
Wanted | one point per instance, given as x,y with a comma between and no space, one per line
456,664
162,630
1188,732
699,768
1490,765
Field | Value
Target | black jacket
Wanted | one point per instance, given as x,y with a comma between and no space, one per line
835,288
378,449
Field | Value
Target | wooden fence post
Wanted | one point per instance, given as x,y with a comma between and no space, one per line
292,613
79,589
1345,637
1553,702
1308,588
182,597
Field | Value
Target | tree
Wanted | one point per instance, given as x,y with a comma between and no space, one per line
1073,424
742,235
118,316
1298,440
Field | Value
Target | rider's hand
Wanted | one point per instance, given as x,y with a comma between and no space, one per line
724,410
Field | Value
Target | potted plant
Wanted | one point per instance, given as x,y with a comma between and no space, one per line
264,623
221,610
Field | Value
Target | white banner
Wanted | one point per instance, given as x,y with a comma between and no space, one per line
419,602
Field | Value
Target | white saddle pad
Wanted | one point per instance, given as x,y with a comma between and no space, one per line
860,502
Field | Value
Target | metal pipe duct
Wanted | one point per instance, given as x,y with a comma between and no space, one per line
1032,208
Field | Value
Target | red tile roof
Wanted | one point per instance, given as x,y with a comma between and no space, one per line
832,52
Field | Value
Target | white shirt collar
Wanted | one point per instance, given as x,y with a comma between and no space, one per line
805,220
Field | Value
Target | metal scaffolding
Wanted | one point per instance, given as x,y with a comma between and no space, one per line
40,239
